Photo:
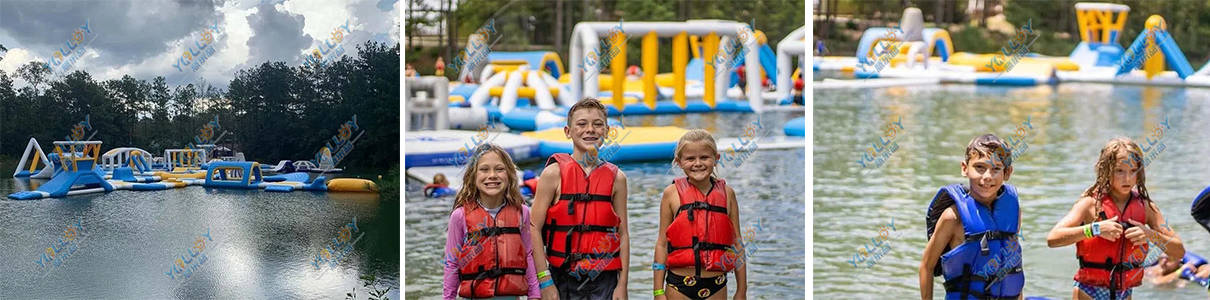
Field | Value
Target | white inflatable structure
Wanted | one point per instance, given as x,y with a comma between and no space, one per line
586,36
39,156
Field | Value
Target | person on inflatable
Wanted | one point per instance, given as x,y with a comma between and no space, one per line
439,188
488,241
699,223
973,239
1113,226
1191,267
580,213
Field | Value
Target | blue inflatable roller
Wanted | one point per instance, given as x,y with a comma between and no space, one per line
279,188
796,127
296,176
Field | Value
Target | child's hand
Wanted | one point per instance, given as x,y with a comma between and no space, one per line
1137,234
1110,229
550,293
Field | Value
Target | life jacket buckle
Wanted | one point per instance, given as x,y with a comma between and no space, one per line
983,249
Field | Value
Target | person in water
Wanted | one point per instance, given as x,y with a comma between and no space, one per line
699,223
488,240
1111,224
580,213
1166,272
439,188
973,229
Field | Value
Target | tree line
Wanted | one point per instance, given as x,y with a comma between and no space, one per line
272,111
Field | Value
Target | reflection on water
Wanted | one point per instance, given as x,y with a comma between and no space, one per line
262,244
767,187
1072,122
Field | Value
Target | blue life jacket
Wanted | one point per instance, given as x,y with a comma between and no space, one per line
988,264
1194,259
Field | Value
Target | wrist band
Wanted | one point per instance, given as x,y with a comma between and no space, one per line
1087,231
543,274
657,266
658,292
546,283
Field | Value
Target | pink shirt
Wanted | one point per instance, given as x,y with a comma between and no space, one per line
455,239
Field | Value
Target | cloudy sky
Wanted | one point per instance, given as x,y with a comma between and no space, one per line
144,38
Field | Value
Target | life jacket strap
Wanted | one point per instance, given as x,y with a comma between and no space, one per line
494,231
572,198
983,237
491,273
701,205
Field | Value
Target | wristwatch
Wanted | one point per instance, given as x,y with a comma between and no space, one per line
1096,229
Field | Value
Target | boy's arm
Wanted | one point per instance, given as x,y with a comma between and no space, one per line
942,234
741,273
667,207
619,207
1069,231
548,185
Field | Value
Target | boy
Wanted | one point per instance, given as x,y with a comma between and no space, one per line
974,227
581,201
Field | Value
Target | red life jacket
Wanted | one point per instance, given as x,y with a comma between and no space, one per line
701,232
582,217
1098,256
499,269
532,183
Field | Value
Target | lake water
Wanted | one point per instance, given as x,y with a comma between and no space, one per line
260,246
1071,122
767,186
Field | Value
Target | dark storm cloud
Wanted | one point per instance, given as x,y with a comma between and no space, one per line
127,31
276,36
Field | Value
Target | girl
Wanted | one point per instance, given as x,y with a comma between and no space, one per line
488,244
699,228
1113,226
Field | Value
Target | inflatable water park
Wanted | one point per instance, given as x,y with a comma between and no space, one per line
920,56
79,167
718,66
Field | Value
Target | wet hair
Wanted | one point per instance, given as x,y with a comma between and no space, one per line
440,179
694,136
990,146
1118,150
586,103
469,194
